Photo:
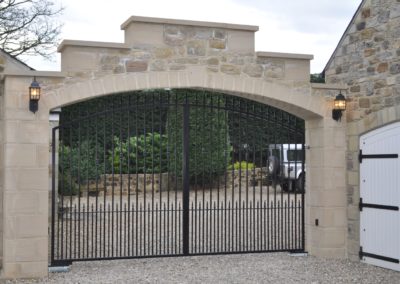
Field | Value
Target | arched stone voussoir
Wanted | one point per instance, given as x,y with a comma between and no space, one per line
285,96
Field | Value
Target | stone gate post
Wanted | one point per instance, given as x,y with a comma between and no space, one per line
25,179
326,208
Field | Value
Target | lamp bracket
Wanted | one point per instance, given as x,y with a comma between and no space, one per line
337,114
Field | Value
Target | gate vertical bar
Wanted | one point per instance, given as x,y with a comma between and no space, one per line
53,191
185,167
303,218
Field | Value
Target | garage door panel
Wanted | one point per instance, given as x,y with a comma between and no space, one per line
382,190
380,197
380,228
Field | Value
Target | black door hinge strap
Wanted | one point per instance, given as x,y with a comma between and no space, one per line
362,205
362,254
376,156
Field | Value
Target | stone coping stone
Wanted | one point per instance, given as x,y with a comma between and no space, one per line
152,20
284,55
93,44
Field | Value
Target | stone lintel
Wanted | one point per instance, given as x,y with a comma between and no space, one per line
151,20
95,44
284,55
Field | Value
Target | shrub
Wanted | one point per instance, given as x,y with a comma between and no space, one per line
141,154
66,186
79,161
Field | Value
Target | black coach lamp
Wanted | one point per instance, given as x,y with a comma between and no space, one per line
34,95
339,105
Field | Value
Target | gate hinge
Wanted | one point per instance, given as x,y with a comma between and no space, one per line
361,205
376,156
362,254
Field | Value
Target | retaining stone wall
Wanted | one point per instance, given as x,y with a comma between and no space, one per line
125,184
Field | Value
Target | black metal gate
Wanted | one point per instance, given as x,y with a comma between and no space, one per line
175,172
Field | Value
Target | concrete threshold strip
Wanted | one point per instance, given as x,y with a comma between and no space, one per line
57,269
303,254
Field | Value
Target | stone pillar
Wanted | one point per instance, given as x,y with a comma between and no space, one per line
326,214
25,183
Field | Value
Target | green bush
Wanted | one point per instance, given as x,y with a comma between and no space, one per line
66,186
241,165
80,162
142,154
209,145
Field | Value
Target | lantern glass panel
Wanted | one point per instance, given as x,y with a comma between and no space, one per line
34,93
340,104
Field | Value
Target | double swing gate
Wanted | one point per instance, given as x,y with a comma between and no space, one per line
174,172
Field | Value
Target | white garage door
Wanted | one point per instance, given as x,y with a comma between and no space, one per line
380,197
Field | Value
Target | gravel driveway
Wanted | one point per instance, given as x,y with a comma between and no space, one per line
248,268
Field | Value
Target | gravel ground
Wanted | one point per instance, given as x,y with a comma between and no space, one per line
248,268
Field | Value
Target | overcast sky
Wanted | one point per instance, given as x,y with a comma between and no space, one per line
294,26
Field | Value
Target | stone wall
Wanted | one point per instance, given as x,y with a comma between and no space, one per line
181,45
367,60
124,184
110,184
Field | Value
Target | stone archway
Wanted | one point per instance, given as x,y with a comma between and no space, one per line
288,97
160,53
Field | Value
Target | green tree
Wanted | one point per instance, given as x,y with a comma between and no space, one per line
317,78
123,115
254,126
209,145
28,27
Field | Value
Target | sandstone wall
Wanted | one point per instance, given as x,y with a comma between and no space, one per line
368,61
180,45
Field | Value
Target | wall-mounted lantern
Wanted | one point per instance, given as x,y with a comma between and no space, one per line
34,96
339,105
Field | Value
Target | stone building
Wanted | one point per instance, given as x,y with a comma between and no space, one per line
367,60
